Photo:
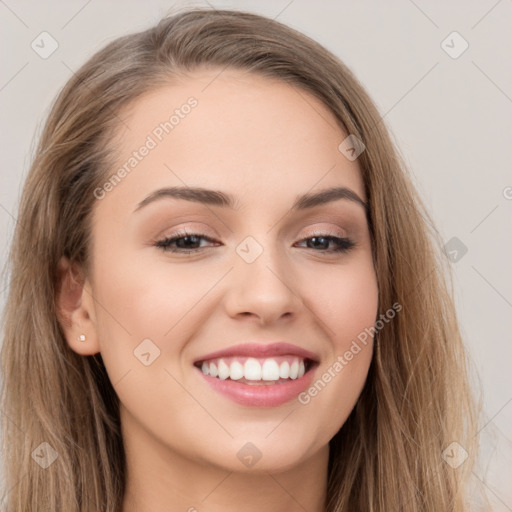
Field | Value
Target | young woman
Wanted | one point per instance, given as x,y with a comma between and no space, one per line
224,292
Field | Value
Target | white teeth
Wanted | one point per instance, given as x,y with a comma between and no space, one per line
213,370
302,369
270,370
294,369
223,370
253,370
236,370
284,370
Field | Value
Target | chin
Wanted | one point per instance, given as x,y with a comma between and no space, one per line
275,454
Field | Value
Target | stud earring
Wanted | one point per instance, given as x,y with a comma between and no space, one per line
81,337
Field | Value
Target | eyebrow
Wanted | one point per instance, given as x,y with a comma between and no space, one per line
223,199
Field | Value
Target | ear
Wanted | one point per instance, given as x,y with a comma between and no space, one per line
75,309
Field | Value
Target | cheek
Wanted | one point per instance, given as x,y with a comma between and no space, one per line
347,303
147,314
346,300
158,301
148,301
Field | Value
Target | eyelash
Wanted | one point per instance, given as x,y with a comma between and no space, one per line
344,244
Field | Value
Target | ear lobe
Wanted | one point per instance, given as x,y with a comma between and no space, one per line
74,308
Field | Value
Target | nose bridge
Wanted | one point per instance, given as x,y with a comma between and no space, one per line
262,281
255,254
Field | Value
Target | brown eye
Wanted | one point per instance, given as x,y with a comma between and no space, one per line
187,243
183,242
322,241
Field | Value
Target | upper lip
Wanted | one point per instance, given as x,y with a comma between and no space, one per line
260,350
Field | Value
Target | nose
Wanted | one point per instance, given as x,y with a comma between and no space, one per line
264,290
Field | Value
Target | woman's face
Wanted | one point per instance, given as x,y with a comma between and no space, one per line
261,295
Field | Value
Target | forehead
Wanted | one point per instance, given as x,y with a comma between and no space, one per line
249,135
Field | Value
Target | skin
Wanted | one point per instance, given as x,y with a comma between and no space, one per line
265,143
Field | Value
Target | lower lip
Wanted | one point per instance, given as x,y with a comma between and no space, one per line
260,395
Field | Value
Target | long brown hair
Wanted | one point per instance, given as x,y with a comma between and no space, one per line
417,399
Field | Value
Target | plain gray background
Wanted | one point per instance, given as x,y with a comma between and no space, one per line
451,119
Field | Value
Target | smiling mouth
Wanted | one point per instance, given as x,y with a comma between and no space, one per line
257,371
